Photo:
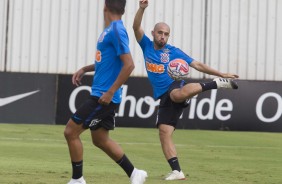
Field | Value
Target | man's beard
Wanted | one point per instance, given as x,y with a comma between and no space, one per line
160,44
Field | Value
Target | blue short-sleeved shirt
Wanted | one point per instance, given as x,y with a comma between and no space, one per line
112,43
156,62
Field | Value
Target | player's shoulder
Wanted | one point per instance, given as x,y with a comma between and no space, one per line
117,26
145,38
118,30
174,49
145,41
177,52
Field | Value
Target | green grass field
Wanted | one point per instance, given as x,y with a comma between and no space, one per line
38,154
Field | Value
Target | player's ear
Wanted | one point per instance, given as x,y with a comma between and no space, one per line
105,8
152,32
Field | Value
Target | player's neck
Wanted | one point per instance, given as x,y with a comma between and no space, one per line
156,47
110,18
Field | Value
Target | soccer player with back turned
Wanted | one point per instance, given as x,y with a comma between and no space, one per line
113,65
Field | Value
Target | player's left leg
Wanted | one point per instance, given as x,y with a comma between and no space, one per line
170,153
168,147
165,135
101,139
167,118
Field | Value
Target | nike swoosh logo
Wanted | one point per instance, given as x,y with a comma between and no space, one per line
11,99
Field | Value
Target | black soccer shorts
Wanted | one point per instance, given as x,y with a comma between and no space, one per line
94,115
169,111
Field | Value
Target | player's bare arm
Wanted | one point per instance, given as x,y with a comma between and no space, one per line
124,74
138,31
208,70
77,76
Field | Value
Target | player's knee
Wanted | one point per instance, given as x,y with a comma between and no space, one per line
163,133
95,143
98,143
178,96
67,133
70,134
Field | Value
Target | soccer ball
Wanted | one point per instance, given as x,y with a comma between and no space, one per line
178,69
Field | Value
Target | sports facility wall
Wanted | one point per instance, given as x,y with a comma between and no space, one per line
59,36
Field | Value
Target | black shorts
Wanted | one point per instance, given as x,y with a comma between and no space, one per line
94,115
169,111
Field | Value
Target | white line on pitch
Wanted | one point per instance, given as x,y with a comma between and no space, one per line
148,143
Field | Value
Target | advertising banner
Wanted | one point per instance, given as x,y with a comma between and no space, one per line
51,98
255,106
70,97
27,98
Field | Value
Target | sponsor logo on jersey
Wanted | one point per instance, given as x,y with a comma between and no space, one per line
166,50
164,57
155,68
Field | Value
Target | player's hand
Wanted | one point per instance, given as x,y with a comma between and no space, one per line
143,3
77,76
230,75
106,98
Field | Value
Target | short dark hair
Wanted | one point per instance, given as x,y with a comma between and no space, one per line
116,6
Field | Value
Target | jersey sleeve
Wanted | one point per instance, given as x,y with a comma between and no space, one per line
184,56
144,42
120,40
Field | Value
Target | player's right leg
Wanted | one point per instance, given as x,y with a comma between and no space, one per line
75,126
189,90
225,83
72,133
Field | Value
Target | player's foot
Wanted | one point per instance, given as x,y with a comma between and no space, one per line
138,176
175,175
225,83
77,181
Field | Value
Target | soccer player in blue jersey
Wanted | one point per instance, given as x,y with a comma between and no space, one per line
173,95
113,65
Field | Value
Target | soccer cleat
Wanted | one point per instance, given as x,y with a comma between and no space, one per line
225,83
77,181
138,176
175,175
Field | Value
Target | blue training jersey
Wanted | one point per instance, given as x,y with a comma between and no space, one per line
156,62
112,43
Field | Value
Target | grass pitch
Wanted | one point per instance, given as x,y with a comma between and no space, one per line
38,154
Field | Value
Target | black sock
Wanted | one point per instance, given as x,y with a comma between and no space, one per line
126,165
77,169
174,164
208,85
